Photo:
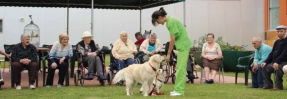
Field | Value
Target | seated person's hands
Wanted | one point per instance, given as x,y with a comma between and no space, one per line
210,58
7,55
54,65
120,58
152,53
92,53
62,60
135,52
25,61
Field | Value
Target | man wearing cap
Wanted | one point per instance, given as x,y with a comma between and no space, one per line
275,61
89,49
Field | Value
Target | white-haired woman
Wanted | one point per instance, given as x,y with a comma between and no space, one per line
60,53
150,46
124,51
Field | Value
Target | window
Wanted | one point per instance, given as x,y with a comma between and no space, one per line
1,26
273,14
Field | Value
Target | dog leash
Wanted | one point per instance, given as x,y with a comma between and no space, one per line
154,84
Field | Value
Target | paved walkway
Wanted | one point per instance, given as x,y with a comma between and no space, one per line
24,79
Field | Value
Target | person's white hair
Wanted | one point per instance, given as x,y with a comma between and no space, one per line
123,32
258,39
23,36
152,35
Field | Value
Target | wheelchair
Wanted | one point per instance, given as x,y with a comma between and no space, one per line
80,75
170,67
114,67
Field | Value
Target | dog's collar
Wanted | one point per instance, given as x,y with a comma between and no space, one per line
160,80
152,67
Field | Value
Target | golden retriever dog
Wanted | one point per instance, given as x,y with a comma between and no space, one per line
142,73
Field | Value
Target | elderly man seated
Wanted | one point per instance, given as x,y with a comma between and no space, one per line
23,55
124,50
261,53
275,61
88,48
150,46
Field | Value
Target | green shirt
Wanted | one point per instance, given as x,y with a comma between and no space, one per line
175,27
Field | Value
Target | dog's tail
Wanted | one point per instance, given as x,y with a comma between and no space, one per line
119,76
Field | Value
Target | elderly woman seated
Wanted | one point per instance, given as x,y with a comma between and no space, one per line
88,48
211,58
24,55
59,56
150,46
124,50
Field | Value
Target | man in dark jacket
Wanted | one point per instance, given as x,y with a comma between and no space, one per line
275,61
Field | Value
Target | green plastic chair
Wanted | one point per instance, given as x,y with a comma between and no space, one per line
246,66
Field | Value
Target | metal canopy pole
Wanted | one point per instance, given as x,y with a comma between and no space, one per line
184,13
140,20
68,18
92,19
140,16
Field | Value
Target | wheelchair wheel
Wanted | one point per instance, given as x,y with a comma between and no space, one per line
137,61
82,81
76,78
110,77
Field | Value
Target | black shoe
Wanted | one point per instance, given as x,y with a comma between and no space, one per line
211,81
190,76
206,81
1,83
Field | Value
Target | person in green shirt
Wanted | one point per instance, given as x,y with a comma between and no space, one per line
179,38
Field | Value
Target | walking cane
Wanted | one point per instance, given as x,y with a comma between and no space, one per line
274,84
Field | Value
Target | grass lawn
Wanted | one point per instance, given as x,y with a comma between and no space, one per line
192,91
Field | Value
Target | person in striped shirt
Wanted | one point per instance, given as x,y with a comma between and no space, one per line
59,56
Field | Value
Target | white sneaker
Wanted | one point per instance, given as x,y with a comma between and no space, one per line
32,87
47,86
172,92
59,86
175,94
18,87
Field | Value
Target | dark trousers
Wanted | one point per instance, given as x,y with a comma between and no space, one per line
267,70
94,64
62,72
124,63
17,68
257,79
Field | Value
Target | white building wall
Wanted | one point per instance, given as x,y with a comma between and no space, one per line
237,21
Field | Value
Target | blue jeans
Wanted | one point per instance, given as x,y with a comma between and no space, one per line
257,79
124,63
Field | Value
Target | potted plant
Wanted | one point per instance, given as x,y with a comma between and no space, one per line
229,52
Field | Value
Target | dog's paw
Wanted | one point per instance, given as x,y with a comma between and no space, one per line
145,95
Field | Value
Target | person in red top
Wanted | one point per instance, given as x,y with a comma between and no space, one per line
139,38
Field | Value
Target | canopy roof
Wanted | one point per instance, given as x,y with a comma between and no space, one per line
98,4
